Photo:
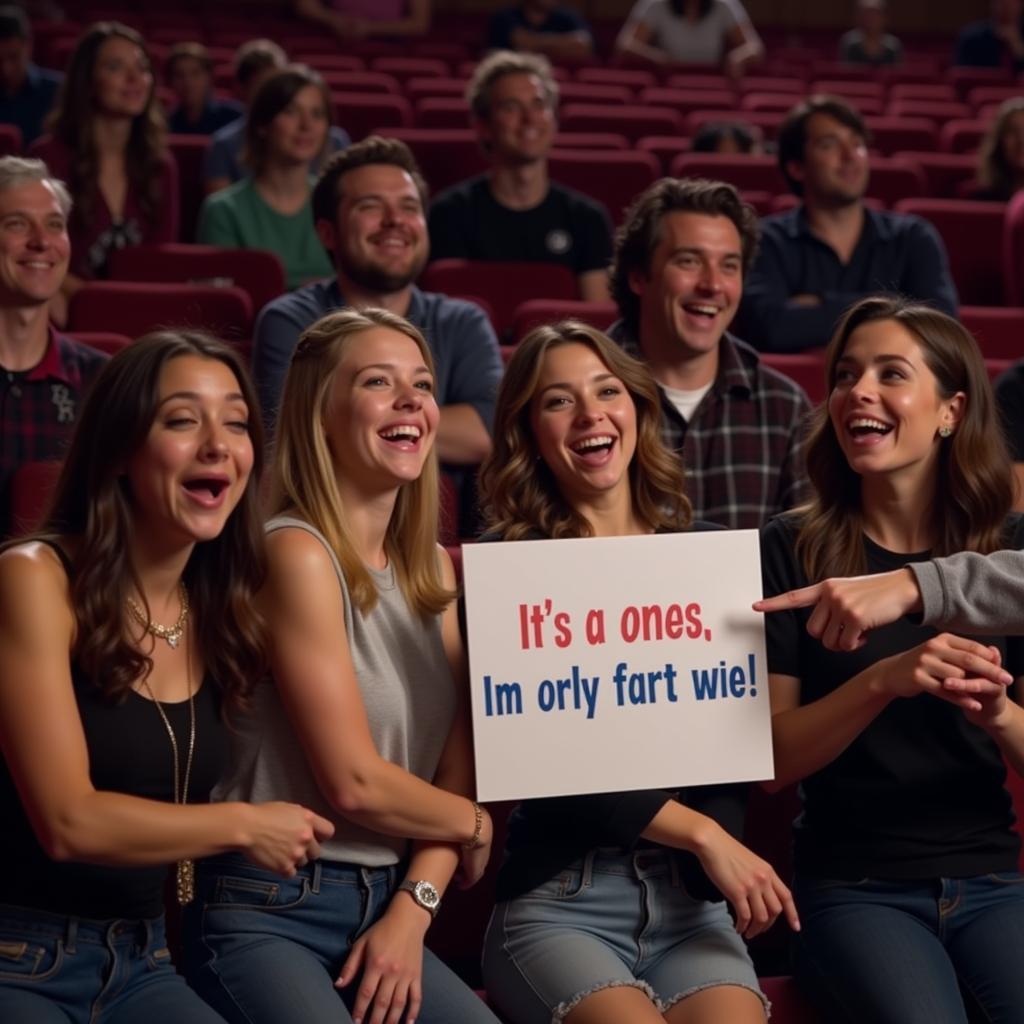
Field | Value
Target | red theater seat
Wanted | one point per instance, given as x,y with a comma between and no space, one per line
896,178
189,151
612,177
631,120
684,101
962,135
360,114
973,233
133,308
258,271
1013,251
944,172
788,1005
747,173
445,155
10,140
889,134
31,488
999,330
535,312
442,112
806,368
502,285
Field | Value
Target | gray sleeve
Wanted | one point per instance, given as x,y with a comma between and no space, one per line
972,592
275,337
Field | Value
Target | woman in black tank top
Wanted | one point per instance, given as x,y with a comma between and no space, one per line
126,632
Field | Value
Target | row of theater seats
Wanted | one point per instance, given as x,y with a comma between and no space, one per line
222,289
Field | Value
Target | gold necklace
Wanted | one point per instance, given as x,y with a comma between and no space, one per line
186,874
172,634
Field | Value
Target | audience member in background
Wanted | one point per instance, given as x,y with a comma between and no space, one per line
367,714
108,142
188,72
738,426
907,857
1001,154
1009,389
869,43
514,211
540,26
286,133
819,258
254,61
717,32
129,638
728,137
369,211
43,375
995,42
354,19
27,92
581,930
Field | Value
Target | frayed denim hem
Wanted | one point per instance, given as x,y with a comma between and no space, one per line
562,1010
667,1004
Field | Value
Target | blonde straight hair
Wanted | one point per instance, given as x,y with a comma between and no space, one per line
304,483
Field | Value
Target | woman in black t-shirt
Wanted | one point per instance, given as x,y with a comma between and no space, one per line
125,624
906,856
610,906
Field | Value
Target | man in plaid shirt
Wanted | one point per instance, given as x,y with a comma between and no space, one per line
42,374
677,278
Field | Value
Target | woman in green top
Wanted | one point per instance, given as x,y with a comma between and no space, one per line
286,132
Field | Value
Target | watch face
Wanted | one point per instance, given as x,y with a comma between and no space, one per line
427,895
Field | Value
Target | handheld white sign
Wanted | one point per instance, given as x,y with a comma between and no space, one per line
607,664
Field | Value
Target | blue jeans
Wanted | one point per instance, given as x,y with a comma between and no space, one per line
267,950
56,970
900,952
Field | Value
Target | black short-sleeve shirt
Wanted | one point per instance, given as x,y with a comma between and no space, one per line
920,792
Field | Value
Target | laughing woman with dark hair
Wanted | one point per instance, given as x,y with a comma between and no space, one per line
127,631
611,906
108,143
286,131
906,854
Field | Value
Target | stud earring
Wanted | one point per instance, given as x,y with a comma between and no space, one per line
945,430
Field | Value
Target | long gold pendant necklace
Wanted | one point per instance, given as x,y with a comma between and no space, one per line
185,886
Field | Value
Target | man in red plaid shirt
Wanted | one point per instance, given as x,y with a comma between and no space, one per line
680,261
43,375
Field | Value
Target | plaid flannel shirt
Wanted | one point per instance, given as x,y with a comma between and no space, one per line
741,449
38,409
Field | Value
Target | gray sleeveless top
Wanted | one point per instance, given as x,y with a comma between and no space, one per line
407,688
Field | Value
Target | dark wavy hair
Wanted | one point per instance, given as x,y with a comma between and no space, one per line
275,92
92,504
74,116
640,233
518,492
792,139
973,490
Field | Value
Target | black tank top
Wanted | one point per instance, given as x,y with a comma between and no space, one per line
129,752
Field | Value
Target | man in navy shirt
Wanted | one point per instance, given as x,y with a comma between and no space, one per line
831,250
540,27
27,93
995,42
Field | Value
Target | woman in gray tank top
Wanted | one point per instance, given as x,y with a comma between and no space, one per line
367,712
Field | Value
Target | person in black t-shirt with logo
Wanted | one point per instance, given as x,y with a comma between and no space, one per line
514,212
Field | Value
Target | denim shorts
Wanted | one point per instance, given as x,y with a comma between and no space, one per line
610,919
72,970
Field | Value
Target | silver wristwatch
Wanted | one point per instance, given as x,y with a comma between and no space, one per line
424,893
